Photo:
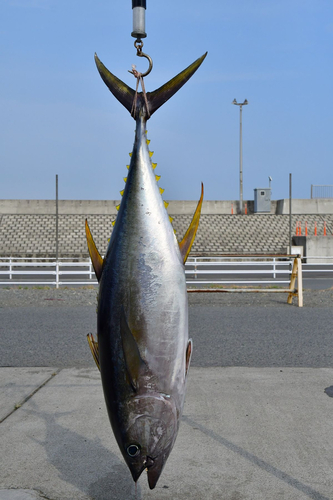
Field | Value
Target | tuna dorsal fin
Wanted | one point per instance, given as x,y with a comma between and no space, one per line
96,259
187,242
94,349
188,355
161,95
134,362
125,94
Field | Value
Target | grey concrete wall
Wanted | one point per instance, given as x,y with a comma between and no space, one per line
304,206
108,207
316,246
180,207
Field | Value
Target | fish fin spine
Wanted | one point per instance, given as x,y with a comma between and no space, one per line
188,355
93,344
96,259
188,240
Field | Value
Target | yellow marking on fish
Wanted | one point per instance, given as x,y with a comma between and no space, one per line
148,141
187,242
151,153
157,177
170,218
93,344
130,154
154,165
166,204
161,190
125,179
117,207
113,222
127,166
122,192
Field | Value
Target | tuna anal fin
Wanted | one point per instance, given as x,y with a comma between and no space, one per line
134,362
94,349
187,242
188,355
96,259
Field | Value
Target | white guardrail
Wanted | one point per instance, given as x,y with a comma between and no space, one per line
198,270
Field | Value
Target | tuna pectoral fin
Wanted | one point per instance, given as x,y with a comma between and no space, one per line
187,242
188,355
96,259
94,349
133,361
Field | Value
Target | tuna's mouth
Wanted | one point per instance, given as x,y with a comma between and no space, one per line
149,462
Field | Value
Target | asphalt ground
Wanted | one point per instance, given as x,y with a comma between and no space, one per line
257,421
48,327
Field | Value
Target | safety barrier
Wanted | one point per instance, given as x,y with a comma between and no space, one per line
273,263
199,271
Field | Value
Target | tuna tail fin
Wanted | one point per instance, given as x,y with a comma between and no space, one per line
125,94
95,256
187,242
163,94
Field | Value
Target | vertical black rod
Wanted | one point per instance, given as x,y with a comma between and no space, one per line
57,214
290,211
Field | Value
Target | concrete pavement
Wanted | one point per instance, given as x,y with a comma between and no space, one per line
246,434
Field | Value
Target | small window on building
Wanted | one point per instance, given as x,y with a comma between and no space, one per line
262,193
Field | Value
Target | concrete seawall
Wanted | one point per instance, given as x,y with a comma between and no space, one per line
179,207
28,227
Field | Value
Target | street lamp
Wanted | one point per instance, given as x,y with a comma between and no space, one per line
240,104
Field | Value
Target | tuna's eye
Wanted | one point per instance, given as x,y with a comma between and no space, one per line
133,450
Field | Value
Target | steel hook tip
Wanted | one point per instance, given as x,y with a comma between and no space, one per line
142,54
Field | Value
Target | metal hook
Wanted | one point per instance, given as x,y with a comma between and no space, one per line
138,44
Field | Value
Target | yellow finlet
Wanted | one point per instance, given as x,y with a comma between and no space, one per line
127,166
95,256
94,349
122,192
154,165
166,204
148,141
113,222
157,177
151,153
170,218
125,179
130,154
187,242
117,207
161,190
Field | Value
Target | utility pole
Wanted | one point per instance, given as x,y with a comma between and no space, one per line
240,104
57,217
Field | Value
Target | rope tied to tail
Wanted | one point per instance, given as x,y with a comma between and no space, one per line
139,79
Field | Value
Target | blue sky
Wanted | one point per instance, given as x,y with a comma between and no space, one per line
58,117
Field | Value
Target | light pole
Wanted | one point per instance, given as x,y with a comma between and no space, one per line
240,104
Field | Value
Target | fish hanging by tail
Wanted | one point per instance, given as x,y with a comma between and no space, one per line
142,349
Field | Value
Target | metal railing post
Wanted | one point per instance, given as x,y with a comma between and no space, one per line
10,268
57,274
274,268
